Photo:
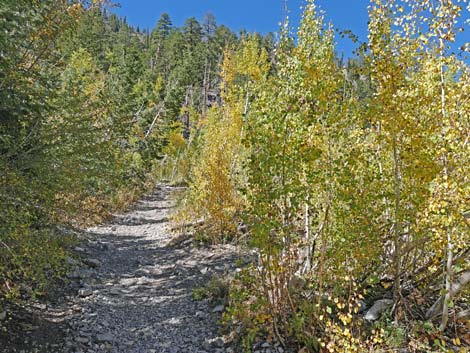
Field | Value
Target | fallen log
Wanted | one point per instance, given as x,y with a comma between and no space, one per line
436,309
463,315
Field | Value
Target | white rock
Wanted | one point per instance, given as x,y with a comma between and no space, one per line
204,270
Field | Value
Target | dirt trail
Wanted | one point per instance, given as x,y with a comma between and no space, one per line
134,293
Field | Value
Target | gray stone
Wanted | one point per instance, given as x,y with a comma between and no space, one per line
114,291
85,292
83,340
92,263
104,337
3,315
218,309
218,342
377,309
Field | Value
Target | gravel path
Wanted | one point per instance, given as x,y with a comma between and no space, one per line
134,293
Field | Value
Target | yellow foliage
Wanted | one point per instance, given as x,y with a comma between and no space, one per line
176,143
218,174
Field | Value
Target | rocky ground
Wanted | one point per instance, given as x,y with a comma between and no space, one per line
131,291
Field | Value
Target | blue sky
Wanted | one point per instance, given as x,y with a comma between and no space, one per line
253,15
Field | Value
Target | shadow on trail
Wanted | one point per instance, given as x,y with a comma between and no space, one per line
139,221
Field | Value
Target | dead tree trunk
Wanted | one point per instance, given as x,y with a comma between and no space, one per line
456,287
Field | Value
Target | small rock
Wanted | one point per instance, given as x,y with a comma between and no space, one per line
108,347
204,270
174,321
143,281
127,282
85,292
83,340
114,291
3,315
218,342
40,306
92,262
377,309
104,337
218,309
